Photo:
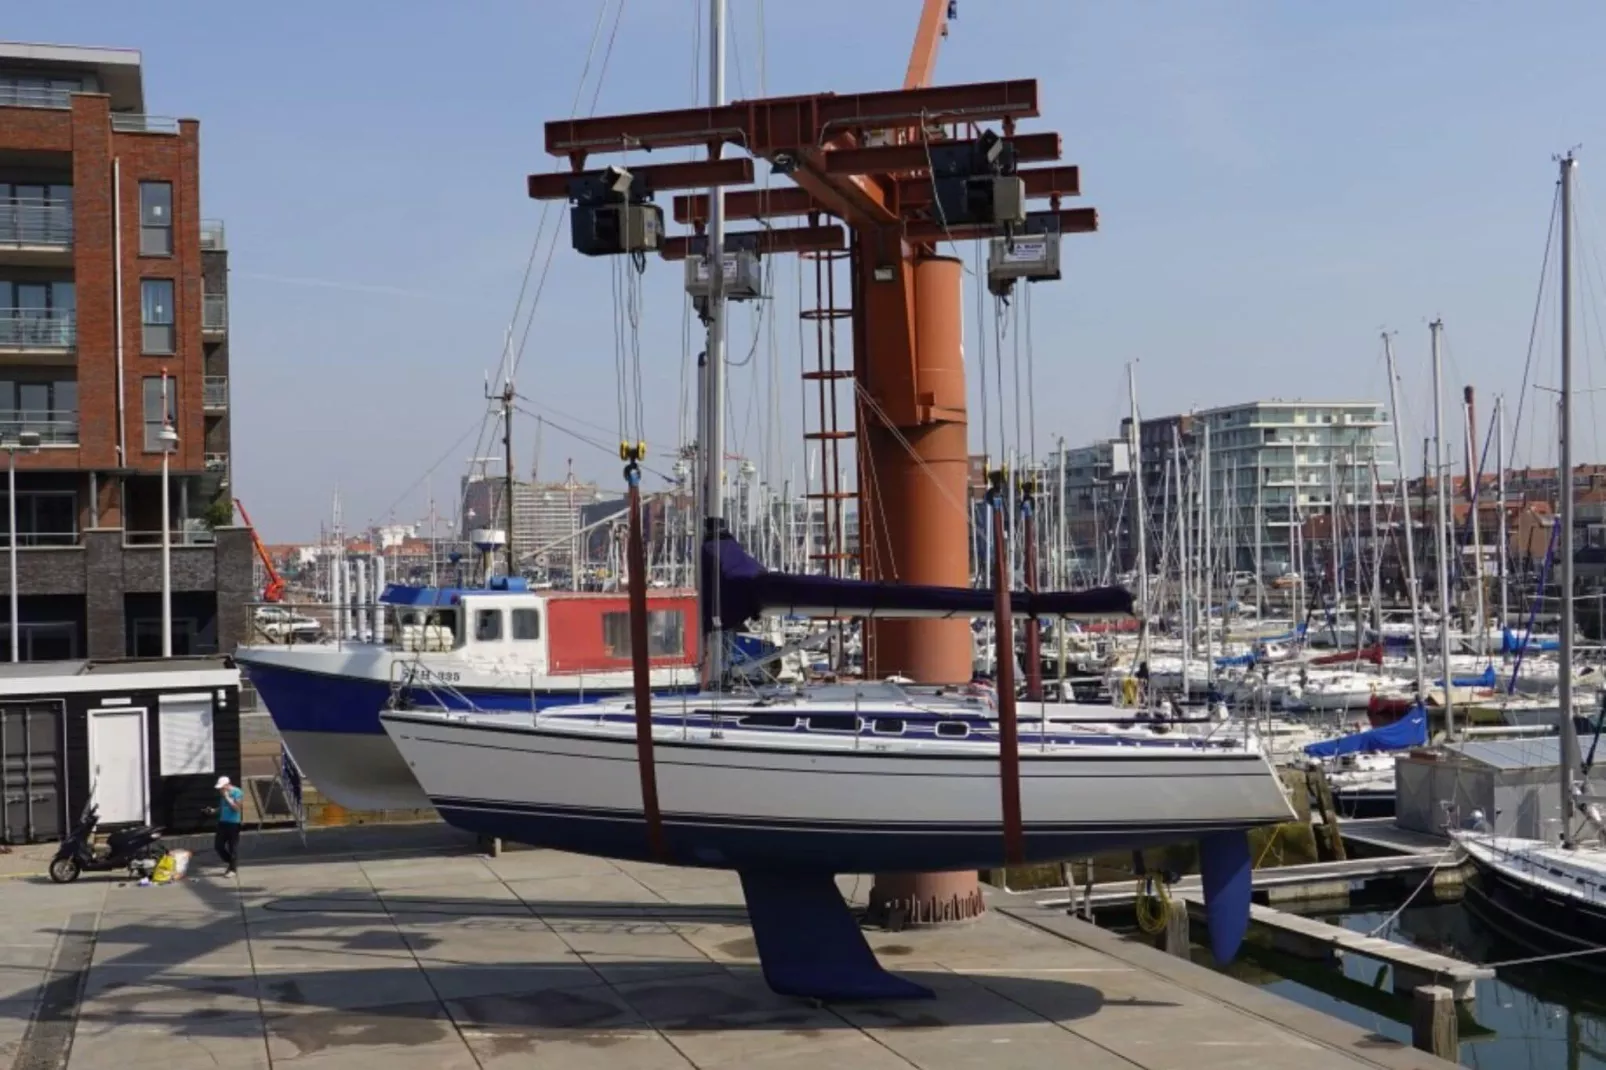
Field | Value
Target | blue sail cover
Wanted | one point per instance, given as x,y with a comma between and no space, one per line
1486,678
1514,642
746,589
1409,731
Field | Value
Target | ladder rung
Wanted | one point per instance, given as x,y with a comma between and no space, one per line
809,377
828,435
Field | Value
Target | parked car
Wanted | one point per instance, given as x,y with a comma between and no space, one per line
282,625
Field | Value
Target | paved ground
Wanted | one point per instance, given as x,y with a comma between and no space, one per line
399,949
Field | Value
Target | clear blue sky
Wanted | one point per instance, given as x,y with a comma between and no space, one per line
1275,182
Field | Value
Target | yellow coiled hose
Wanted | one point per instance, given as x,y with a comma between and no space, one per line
1153,905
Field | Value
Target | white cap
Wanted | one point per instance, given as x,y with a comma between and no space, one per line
222,782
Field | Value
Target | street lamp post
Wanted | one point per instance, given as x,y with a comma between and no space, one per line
169,440
21,442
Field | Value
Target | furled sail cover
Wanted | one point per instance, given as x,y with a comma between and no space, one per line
746,589
1409,731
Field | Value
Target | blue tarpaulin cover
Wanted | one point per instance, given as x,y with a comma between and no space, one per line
1409,731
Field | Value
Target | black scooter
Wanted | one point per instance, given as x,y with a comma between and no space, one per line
136,849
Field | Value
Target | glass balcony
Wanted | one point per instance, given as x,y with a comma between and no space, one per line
214,313
35,94
53,428
212,238
215,393
129,122
35,224
38,329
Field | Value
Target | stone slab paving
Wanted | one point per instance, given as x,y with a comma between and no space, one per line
404,949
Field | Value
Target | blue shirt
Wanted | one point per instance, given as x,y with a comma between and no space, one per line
229,812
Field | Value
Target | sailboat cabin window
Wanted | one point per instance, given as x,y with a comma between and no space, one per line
666,633
526,624
487,625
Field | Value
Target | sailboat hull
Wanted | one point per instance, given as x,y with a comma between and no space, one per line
1512,900
729,804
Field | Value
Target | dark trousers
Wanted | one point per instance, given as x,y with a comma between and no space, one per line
227,842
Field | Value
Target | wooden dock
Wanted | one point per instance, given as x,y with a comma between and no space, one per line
1315,882
1381,835
1412,967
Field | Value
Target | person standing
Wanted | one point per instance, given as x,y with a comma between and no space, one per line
230,808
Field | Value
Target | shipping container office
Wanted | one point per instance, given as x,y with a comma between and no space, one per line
149,737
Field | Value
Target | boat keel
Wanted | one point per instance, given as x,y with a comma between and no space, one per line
1228,878
809,943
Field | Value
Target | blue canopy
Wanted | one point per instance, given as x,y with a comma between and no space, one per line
1409,731
1511,642
746,589
1486,678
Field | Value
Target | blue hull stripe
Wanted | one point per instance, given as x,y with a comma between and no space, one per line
722,842
303,701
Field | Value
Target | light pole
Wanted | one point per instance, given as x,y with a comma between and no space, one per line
169,439
21,442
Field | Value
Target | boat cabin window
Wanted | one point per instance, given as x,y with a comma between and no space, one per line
953,729
835,722
526,624
768,720
425,628
666,633
487,625
887,726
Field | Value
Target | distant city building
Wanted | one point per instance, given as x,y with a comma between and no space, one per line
1272,464
546,516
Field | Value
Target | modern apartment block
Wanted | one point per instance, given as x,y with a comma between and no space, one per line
1273,464
113,322
546,516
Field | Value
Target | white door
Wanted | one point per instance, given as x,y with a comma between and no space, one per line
118,767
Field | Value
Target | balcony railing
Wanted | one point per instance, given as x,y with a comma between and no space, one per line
215,393
131,122
216,462
37,538
53,428
214,313
195,534
35,96
212,236
35,328
36,223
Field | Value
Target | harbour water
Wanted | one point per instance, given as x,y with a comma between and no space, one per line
1537,1016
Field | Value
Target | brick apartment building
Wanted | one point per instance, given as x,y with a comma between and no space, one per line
109,281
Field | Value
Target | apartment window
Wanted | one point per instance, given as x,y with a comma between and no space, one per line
153,410
156,219
526,624
156,314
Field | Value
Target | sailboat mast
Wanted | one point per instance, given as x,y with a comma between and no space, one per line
1564,473
1474,478
1440,469
1402,497
1500,500
1133,440
1206,571
713,399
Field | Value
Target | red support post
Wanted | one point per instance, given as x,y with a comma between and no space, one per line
636,555
1034,638
1004,678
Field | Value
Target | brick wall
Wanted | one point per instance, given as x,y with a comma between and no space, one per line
86,133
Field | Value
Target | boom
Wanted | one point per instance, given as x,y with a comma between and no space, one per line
273,590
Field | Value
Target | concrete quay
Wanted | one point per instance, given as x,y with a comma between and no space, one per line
400,947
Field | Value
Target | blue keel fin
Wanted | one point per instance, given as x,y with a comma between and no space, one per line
809,943
1228,879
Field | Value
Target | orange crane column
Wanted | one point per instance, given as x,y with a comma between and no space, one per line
918,498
